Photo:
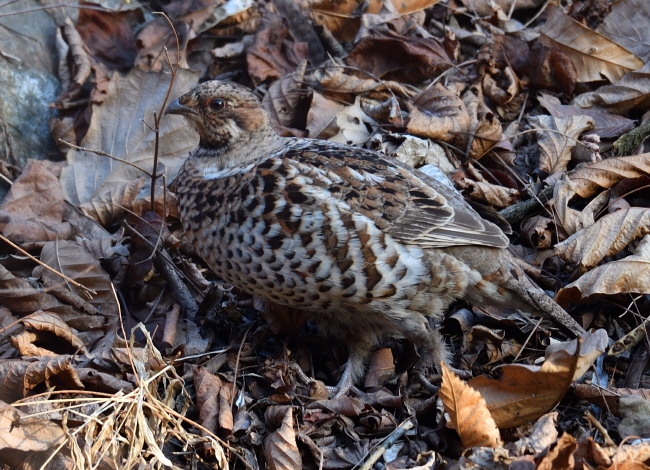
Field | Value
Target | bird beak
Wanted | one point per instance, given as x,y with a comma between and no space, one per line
176,108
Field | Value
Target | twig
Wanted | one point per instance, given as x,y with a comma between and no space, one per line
72,281
389,441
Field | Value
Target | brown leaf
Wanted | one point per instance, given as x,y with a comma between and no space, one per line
556,138
117,128
628,25
213,400
273,54
380,368
468,413
606,125
20,432
109,35
287,101
560,456
537,232
393,56
631,92
439,114
280,448
73,260
593,55
609,235
628,275
51,322
18,376
33,208
524,393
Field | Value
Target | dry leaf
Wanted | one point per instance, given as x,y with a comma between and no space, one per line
34,207
439,114
523,393
556,138
593,55
31,435
280,448
607,236
468,413
628,275
380,368
628,25
117,128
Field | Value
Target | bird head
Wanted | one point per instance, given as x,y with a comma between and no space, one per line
224,114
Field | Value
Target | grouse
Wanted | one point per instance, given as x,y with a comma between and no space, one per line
364,246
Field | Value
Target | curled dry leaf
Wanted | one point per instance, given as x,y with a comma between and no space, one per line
628,275
51,322
380,368
593,55
287,101
631,92
439,114
18,376
524,393
570,220
387,54
33,209
493,194
537,232
336,77
556,138
111,206
468,414
280,447
607,236
596,176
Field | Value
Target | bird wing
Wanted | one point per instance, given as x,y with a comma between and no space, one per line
395,197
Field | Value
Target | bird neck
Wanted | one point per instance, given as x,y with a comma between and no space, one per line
252,149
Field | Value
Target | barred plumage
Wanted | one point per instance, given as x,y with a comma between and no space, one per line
364,246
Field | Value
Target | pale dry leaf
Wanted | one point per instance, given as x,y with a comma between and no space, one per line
438,113
123,127
24,343
523,393
321,119
628,25
569,220
493,194
280,447
594,177
75,261
606,125
560,455
32,435
556,138
544,434
34,208
628,275
486,135
353,125
593,55
468,413
607,236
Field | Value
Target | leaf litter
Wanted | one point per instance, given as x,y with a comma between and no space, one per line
120,349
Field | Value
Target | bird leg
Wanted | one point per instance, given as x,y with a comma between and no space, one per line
358,352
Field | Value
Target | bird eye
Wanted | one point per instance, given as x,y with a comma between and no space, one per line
217,104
